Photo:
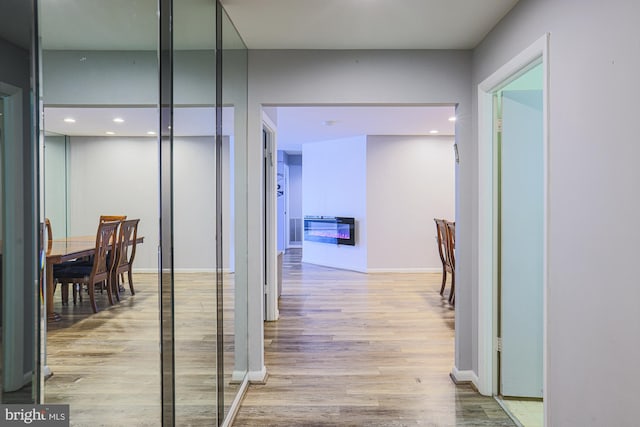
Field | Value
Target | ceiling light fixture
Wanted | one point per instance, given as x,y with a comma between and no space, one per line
69,120
151,132
118,120
433,131
452,118
329,122
110,132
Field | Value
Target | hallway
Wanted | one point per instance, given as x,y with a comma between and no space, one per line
362,350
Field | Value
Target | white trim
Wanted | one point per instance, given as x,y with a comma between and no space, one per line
235,405
238,376
271,205
183,270
466,376
259,377
486,281
337,267
406,270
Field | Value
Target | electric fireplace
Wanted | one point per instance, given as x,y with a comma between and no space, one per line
330,229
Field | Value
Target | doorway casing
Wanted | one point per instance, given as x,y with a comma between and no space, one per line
535,54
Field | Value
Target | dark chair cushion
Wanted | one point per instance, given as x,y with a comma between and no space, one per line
71,271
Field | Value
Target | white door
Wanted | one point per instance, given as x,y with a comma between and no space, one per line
521,244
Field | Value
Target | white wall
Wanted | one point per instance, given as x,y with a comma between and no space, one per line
55,180
334,179
369,77
114,175
592,314
410,181
295,189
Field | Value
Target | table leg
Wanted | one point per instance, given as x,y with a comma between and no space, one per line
51,315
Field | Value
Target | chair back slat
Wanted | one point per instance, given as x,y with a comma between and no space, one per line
105,238
127,239
451,243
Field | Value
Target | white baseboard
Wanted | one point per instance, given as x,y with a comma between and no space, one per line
238,376
183,270
461,377
337,267
235,405
258,377
405,270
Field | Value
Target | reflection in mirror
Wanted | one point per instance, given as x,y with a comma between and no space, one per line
100,90
19,329
234,125
55,183
194,213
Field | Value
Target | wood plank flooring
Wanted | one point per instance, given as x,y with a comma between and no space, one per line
107,365
353,349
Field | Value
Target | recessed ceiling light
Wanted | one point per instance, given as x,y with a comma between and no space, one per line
151,132
433,131
110,132
452,118
118,120
329,122
70,120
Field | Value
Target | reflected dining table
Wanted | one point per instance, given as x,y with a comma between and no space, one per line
62,250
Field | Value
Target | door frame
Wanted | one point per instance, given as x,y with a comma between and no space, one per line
270,206
487,209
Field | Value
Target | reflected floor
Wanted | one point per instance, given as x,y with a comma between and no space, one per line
107,365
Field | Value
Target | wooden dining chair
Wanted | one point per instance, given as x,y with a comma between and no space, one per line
451,257
57,267
440,238
125,254
109,218
441,235
47,226
99,271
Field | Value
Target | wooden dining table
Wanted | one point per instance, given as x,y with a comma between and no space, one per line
62,250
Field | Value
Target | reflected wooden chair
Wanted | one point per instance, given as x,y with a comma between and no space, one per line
99,271
441,237
110,218
47,226
125,254
57,267
451,256
105,218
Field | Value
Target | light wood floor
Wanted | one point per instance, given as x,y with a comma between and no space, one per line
107,365
353,349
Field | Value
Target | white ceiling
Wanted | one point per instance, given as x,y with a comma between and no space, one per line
365,24
94,121
298,125
270,24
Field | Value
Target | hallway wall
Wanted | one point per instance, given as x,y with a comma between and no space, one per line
593,346
368,77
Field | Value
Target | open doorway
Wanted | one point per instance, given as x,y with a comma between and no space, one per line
512,253
389,168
